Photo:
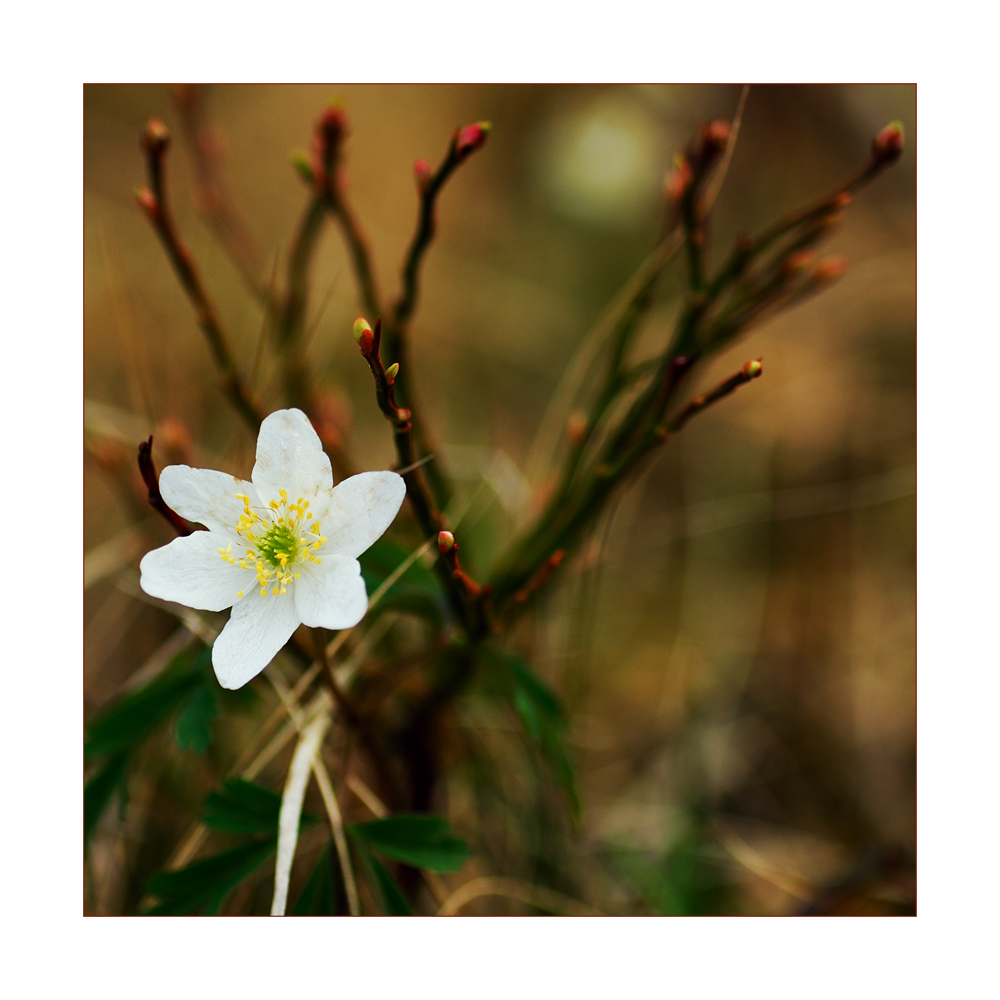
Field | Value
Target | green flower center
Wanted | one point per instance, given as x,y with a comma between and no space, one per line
287,540
279,546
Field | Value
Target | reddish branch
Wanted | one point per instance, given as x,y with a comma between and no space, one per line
148,472
153,201
207,146
465,595
750,371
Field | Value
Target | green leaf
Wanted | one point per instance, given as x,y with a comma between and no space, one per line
420,841
542,716
245,808
319,896
388,895
97,793
134,717
193,727
204,885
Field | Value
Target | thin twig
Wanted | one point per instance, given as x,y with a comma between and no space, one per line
550,428
148,472
153,201
750,371
213,201
719,178
469,611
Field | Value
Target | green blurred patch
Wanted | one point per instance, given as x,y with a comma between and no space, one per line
541,714
682,881
417,591
388,895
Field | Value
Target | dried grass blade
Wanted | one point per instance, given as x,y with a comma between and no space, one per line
291,807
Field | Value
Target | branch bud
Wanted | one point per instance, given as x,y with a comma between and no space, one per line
363,335
331,127
830,269
716,136
675,184
471,138
302,166
155,137
446,541
422,172
576,428
328,136
752,369
711,142
796,263
887,146
146,200
391,372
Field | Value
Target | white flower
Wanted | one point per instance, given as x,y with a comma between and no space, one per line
279,550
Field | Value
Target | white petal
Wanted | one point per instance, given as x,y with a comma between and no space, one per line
256,630
331,595
360,510
206,496
291,457
190,571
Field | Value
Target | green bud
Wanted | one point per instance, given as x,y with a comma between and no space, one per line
301,163
360,326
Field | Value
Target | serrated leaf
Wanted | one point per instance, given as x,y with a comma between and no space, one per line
134,717
97,793
193,729
420,841
204,885
321,893
245,808
388,895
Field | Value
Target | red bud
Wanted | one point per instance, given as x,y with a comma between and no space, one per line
717,135
830,268
332,125
471,138
366,341
752,369
146,199
423,172
676,182
576,427
155,137
446,541
888,144
796,262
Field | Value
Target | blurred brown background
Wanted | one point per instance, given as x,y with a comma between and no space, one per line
736,643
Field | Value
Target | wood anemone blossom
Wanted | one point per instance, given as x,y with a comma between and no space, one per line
281,550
